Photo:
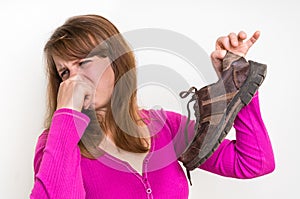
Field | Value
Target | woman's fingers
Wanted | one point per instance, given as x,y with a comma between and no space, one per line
237,43
76,92
233,39
216,58
89,93
88,102
242,36
253,39
218,54
222,43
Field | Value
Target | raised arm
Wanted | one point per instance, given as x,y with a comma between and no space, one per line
251,154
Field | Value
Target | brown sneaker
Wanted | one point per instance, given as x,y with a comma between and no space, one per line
218,104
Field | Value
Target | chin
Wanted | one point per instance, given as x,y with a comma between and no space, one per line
101,106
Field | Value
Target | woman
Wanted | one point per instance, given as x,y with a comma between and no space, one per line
98,143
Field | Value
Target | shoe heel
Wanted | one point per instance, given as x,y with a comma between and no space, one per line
256,77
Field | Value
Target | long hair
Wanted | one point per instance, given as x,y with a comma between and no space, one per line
87,35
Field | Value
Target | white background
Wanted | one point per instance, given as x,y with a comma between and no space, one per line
26,26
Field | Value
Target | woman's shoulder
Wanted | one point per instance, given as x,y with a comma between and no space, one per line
42,139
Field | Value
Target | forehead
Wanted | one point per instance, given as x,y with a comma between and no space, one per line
60,62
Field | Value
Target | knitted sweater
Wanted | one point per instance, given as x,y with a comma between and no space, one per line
61,172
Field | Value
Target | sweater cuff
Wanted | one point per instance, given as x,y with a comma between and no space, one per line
253,109
75,113
254,103
68,126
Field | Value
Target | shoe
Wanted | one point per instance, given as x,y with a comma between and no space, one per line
217,105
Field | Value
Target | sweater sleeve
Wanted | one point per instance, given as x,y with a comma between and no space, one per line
57,157
251,154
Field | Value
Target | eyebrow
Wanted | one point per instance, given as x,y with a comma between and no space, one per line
61,69
81,60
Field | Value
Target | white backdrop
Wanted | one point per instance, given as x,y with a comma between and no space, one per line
26,25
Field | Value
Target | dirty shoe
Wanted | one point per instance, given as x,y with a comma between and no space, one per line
217,105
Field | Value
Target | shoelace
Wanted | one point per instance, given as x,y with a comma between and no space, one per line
184,94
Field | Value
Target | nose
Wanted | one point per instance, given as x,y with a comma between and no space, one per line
74,70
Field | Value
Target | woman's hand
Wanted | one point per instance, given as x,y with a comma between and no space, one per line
233,43
76,92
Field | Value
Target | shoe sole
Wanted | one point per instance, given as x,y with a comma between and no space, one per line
257,74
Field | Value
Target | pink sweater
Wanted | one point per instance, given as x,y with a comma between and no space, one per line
62,173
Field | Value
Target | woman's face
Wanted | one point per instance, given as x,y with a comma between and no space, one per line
97,69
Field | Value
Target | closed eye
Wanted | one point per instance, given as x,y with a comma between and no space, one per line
84,62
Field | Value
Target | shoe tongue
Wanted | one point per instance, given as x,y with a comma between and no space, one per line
228,59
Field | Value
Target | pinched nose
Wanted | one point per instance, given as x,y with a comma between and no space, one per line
75,70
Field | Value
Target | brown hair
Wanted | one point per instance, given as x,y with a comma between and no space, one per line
87,35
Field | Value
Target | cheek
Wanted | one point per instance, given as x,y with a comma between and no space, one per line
107,78
96,74
105,83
